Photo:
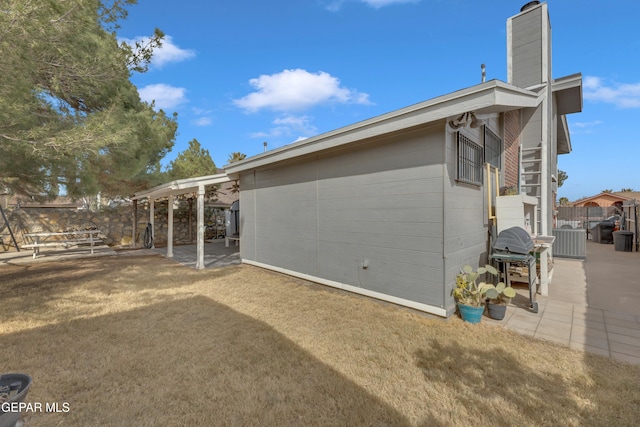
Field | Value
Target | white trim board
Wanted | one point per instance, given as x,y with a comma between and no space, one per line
438,311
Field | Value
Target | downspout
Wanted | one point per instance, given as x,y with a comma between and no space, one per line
496,177
448,138
544,190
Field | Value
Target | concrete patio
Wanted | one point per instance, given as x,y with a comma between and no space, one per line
593,305
216,255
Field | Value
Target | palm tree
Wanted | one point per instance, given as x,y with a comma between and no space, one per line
236,156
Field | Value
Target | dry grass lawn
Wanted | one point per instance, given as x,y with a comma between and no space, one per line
142,341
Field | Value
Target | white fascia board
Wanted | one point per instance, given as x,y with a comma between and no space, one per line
564,136
181,186
492,96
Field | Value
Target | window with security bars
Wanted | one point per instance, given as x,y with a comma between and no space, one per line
470,157
492,148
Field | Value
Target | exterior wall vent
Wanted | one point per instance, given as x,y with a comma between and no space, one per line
529,5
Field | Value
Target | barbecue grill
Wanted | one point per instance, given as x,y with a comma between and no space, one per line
514,246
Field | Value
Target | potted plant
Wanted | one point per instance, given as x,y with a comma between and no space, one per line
470,294
498,297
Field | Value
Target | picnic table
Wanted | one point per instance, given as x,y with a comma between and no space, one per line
235,238
61,239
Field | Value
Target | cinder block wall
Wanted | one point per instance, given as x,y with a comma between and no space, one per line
115,223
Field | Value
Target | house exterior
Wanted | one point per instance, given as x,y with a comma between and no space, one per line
607,199
393,207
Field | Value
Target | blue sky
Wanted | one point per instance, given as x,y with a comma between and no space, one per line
242,72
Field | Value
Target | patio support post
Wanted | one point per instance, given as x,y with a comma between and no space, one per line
134,228
151,216
200,233
170,227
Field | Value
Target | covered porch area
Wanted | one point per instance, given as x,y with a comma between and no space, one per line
216,254
197,186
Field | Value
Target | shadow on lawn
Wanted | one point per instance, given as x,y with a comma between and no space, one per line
496,388
44,282
186,362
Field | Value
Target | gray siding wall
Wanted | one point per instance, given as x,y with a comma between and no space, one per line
526,48
247,216
286,216
465,219
384,204
381,201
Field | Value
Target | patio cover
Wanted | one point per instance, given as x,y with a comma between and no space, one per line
172,189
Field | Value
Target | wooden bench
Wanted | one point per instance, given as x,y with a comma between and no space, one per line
64,239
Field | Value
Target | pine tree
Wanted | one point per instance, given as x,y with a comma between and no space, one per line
68,113
192,162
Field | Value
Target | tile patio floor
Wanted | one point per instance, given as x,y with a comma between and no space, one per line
593,305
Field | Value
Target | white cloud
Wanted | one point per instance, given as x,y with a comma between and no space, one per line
165,96
287,126
301,124
202,121
588,124
203,116
622,95
585,128
297,90
200,111
381,3
335,5
167,53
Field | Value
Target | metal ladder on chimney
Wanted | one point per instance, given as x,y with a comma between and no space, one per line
8,226
531,176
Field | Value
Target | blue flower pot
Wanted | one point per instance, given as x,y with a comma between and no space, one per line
470,313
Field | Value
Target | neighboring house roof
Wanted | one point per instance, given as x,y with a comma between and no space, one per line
606,198
486,98
630,195
226,195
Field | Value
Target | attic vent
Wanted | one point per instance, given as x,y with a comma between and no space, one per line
529,5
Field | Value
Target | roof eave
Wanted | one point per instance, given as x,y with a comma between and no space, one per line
564,137
490,97
568,93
